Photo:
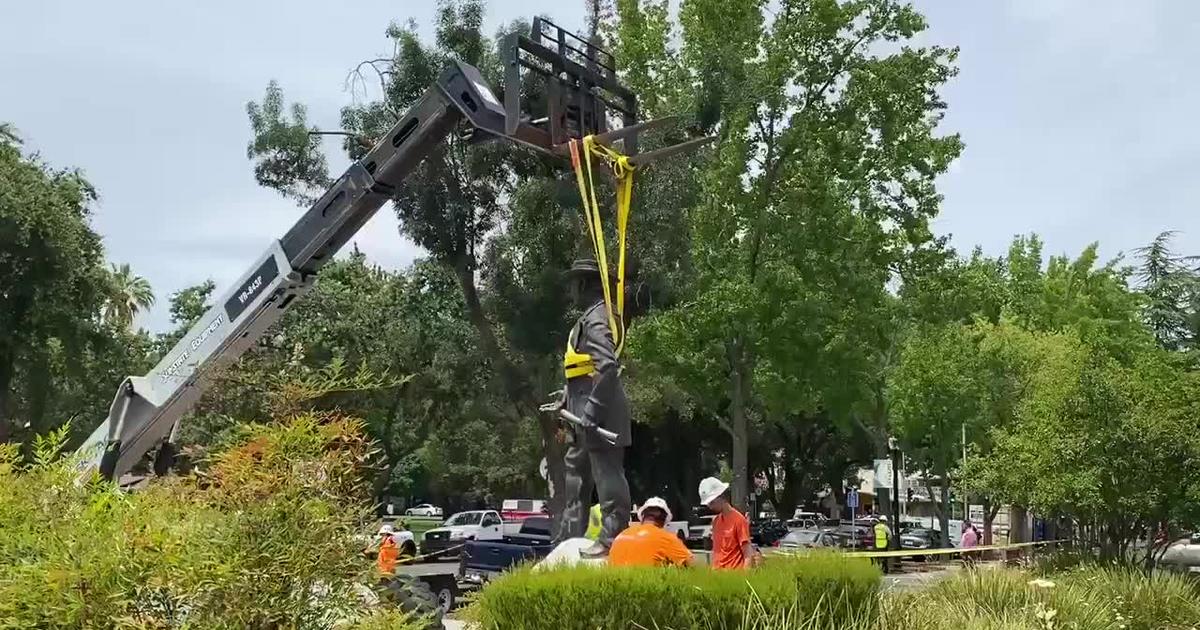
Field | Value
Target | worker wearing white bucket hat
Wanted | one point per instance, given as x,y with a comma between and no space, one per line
711,489
647,543
731,548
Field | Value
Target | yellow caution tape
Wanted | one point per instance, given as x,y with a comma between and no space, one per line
930,552
412,559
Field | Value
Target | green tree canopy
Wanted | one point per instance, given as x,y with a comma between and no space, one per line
51,280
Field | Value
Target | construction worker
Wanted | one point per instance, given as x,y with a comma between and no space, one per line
388,551
648,544
883,538
594,394
731,548
595,520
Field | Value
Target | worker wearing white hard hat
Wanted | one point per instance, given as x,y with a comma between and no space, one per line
388,553
648,543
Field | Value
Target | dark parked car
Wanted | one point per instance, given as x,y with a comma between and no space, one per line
854,536
766,532
920,538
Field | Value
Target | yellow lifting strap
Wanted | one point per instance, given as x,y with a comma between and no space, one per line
581,161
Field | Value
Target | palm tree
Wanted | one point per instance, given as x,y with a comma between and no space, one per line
128,295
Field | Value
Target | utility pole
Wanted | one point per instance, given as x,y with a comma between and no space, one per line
894,540
966,512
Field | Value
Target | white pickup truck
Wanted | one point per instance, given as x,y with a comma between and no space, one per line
461,527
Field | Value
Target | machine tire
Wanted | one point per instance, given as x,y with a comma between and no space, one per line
408,549
411,595
446,592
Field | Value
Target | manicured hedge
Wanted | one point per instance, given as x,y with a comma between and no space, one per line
818,591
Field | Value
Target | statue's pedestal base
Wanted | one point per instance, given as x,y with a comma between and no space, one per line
568,554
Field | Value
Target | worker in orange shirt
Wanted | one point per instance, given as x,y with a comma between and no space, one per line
648,544
388,551
731,548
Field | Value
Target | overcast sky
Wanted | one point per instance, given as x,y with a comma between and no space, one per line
1079,118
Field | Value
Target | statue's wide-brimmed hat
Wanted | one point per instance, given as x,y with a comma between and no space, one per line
586,267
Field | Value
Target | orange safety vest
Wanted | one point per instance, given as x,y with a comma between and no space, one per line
388,553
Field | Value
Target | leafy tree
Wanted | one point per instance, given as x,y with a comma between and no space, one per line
276,516
1171,286
286,151
1000,307
128,295
453,205
1104,444
51,281
934,394
186,306
822,181
9,135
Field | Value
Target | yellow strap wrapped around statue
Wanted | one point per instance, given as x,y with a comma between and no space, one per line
581,162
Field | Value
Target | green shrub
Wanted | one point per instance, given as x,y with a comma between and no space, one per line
264,538
1087,599
1162,600
818,591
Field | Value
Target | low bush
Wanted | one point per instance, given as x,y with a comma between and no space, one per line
809,593
1163,600
1087,599
264,538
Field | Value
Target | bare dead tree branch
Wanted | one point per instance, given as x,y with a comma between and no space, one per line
382,75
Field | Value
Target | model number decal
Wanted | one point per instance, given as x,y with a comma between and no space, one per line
251,289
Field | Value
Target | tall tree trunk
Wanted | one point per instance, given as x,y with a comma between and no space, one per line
6,376
945,510
989,516
1018,526
738,425
37,388
519,390
792,483
390,459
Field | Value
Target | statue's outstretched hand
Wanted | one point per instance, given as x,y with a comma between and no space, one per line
558,400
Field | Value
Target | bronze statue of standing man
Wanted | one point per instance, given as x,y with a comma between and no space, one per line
595,399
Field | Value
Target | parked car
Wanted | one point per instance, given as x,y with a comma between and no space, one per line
920,538
425,509
854,535
822,523
765,533
1182,556
482,559
807,539
462,527
521,509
